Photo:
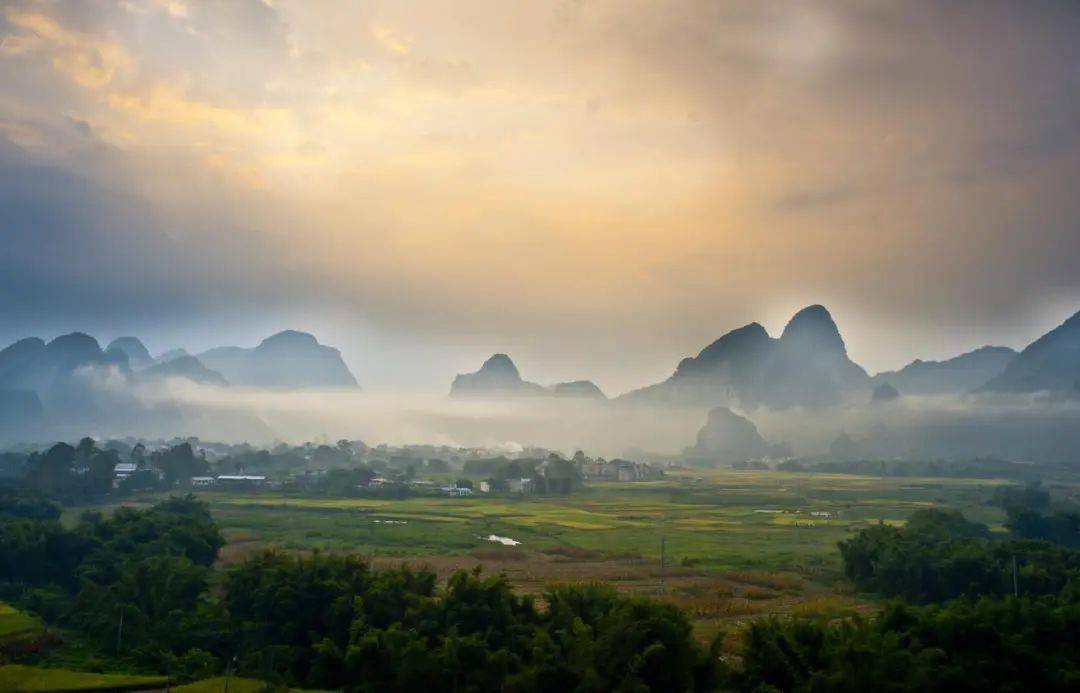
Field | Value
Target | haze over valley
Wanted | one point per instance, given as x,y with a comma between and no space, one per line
800,391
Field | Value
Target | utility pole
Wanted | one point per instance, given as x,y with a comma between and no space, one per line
662,547
119,632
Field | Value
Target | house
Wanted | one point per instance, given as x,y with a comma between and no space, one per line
245,480
123,470
485,487
618,470
457,492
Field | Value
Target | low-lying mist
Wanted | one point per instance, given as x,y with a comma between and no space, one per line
1019,428
232,414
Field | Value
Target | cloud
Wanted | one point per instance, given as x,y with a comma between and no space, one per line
561,179
391,40
87,61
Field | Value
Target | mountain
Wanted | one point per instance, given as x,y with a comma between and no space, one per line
187,367
957,375
20,410
728,437
170,355
17,360
138,355
1050,363
32,364
844,449
578,388
807,366
288,359
810,366
497,377
884,393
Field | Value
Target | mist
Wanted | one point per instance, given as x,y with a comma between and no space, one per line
1014,427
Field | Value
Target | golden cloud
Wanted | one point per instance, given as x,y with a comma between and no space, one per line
87,61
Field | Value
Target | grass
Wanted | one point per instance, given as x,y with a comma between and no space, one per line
217,685
16,677
16,625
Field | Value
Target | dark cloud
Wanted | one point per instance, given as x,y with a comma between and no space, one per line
76,250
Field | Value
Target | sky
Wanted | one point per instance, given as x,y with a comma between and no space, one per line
598,188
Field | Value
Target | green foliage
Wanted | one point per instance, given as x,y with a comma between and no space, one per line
331,622
1061,527
987,644
29,507
940,555
148,567
179,463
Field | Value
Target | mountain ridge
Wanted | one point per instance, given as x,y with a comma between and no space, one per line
807,365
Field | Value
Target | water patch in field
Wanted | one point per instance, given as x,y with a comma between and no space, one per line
505,541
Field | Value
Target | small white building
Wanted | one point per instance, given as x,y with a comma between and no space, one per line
241,480
203,481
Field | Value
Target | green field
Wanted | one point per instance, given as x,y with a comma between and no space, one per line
718,519
16,625
14,677
236,684
737,543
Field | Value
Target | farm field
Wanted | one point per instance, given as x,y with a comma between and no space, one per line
15,677
737,543
16,625
217,684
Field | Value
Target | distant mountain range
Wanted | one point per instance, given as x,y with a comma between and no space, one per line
808,366
288,359
498,377
961,374
1050,363
34,365
58,377
185,366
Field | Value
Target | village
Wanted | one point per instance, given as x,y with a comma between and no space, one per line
351,467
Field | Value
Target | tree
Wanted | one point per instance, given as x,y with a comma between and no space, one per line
437,466
179,463
51,472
